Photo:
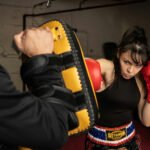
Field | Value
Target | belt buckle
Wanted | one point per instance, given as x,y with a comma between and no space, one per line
116,134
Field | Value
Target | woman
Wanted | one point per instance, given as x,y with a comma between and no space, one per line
122,90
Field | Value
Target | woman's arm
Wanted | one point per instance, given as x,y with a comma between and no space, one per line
107,71
143,106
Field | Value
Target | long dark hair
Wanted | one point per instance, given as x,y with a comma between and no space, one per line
135,40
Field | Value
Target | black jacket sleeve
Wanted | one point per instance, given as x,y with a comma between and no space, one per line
43,76
27,120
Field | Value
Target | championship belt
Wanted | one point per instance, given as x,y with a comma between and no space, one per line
75,74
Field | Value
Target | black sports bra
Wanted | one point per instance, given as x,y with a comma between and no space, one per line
117,102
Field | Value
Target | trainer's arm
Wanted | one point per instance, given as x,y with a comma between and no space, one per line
25,119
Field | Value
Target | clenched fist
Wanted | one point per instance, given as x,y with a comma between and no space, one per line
35,41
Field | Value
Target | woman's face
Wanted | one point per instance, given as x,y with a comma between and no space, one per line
128,67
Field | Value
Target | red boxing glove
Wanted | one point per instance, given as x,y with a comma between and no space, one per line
94,72
146,75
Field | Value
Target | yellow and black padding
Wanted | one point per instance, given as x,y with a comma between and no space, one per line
74,73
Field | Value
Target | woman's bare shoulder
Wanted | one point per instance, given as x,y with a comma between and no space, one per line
106,65
140,82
